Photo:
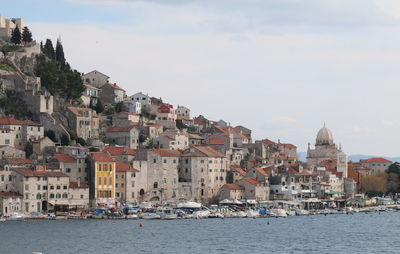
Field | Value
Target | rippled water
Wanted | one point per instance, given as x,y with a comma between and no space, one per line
358,233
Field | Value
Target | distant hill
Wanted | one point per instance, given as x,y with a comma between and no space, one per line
354,157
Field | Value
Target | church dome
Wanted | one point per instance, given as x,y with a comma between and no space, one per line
324,137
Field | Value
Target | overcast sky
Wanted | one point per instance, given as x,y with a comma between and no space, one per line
281,68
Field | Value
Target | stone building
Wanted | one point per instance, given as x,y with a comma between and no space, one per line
124,136
41,190
112,93
91,95
133,106
78,197
325,149
83,121
120,153
74,168
376,165
8,25
202,173
182,113
95,78
166,116
125,186
125,119
10,203
12,152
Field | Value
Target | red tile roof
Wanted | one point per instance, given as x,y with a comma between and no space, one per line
166,153
167,137
252,180
381,160
262,171
10,121
233,186
115,86
123,167
79,111
74,185
100,156
42,173
10,195
120,129
65,158
240,171
17,161
215,141
209,151
119,150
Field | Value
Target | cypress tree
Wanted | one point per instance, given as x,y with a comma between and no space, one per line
26,35
16,36
60,52
48,49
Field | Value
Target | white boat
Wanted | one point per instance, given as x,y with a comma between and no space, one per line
189,205
239,214
201,214
252,214
2,219
150,216
300,212
131,216
290,212
277,212
16,217
168,214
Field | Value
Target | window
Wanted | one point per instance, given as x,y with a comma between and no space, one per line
65,195
2,178
81,196
122,185
65,187
122,176
38,196
58,195
155,185
68,170
7,142
45,187
133,174
154,161
105,167
51,195
51,187
38,187
26,186
116,185
10,178
58,187
165,161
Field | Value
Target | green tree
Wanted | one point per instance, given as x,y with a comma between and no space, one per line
26,34
28,149
60,52
48,49
99,107
64,140
81,141
120,107
16,36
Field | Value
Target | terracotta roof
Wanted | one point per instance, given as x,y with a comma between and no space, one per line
119,150
123,167
287,145
79,111
115,86
209,151
42,173
292,171
17,161
240,171
89,86
215,141
262,171
194,136
166,153
31,123
305,172
167,137
381,160
64,158
100,156
10,121
10,195
74,185
233,186
251,180
120,129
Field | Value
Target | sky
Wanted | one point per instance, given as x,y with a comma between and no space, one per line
281,68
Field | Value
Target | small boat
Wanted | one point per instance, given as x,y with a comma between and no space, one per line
16,217
168,214
290,212
301,212
150,216
131,216
216,215
252,214
277,212
75,216
2,219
